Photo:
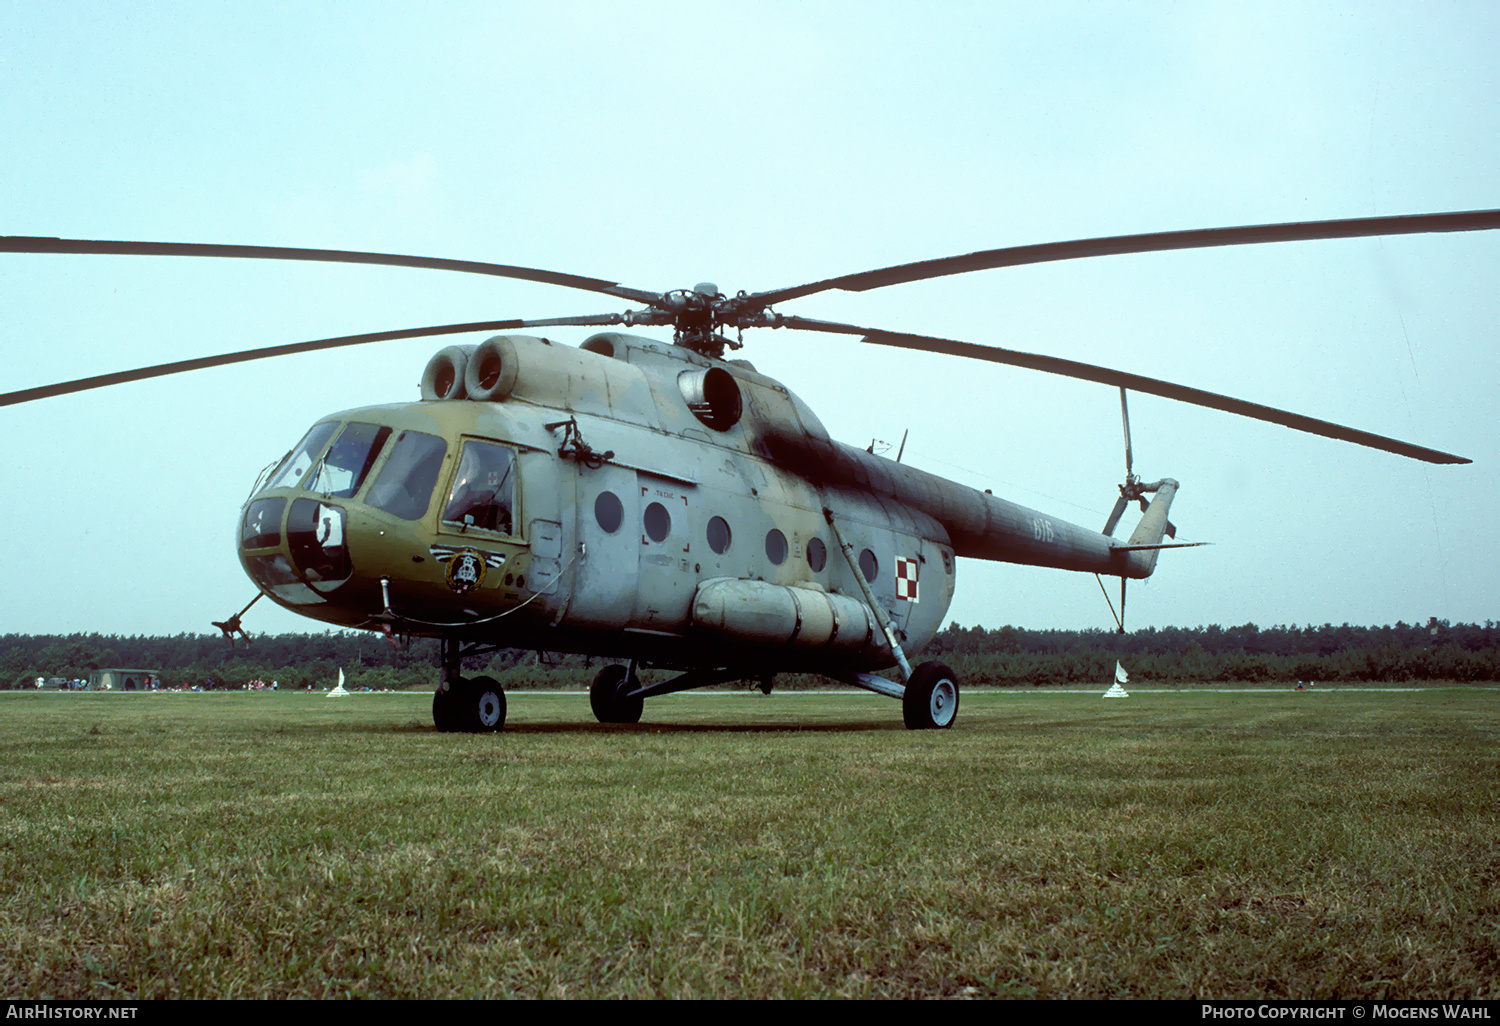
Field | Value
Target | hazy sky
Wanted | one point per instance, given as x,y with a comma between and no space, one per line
760,145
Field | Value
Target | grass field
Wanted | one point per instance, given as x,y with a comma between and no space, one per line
1171,845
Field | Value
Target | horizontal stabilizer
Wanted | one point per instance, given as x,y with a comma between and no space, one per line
1161,545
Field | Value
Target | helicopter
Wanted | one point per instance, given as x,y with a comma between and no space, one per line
665,503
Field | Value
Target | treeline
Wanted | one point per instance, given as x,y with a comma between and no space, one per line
289,661
981,657
293,661
1438,650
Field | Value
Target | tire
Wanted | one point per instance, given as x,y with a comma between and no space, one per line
607,696
443,708
931,699
481,706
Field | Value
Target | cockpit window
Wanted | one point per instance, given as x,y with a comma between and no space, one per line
404,485
343,470
301,458
484,491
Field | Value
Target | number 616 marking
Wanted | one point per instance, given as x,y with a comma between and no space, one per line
1041,529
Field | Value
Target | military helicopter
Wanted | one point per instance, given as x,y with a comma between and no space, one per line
662,504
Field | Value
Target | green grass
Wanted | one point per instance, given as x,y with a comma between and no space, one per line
1175,844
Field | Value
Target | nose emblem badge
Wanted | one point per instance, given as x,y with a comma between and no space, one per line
465,571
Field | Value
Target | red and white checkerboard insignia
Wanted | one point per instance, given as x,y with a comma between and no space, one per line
906,579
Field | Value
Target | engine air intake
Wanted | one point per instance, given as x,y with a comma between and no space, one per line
713,395
444,376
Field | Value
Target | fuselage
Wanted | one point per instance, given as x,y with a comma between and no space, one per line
631,499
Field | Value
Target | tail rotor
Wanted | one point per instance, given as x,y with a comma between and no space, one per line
1131,490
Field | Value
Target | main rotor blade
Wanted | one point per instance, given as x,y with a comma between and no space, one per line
1202,238
40,244
27,395
1134,382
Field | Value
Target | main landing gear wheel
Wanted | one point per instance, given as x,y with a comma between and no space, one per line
444,709
931,699
607,696
470,706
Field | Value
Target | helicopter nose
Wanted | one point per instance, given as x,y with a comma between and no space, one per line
316,542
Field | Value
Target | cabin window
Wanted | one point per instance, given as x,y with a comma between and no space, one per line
404,485
817,554
343,470
609,512
776,547
484,490
297,462
719,535
868,565
658,522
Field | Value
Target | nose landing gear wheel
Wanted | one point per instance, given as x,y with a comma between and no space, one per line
485,708
607,696
931,699
471,706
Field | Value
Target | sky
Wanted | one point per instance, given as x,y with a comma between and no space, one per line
760,145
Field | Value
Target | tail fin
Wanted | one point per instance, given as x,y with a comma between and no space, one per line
1146,541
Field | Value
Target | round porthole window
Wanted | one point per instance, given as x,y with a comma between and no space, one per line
658,522
608,512
817,555
719,535
776,547
868,566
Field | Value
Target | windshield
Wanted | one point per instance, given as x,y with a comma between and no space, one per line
299,459
343,470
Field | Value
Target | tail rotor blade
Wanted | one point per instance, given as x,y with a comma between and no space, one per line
1125,419
1114,516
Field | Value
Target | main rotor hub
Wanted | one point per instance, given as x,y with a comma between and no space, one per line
698,314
